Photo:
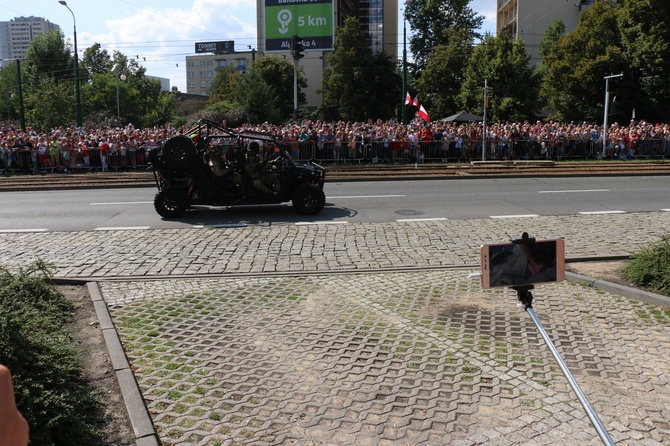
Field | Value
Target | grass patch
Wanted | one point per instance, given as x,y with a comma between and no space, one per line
59,406
650,268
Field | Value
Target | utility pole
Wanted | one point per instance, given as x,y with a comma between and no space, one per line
607,106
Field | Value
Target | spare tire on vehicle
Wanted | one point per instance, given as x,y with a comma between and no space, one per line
179,152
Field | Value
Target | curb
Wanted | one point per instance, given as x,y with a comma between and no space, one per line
632,293
140,419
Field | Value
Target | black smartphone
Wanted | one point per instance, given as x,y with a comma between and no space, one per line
515,264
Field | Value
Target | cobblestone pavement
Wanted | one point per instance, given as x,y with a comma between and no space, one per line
288,248
366,356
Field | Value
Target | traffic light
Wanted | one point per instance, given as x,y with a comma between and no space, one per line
297,48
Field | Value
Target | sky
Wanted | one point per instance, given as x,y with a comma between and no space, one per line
159,33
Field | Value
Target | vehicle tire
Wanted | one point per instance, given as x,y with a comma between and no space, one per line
179,152
308,199
170,202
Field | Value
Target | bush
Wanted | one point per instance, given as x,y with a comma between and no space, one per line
50,391
651,267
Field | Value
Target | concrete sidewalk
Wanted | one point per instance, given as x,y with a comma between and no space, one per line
297,335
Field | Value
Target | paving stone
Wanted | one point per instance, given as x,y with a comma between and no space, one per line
416,357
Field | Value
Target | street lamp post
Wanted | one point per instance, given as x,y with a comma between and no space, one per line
76,66
404,61
118,101
607,106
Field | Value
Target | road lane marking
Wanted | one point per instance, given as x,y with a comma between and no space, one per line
420,219
570,191
122,228
115,203
23,230
515,216
365,196
602,212
222,225
305,223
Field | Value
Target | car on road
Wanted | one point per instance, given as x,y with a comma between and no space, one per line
213,165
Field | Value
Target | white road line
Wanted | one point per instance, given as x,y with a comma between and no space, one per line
22,230
364,196
122,228
515,216
305,223
570,191
602,212
421,219
222,225
113,203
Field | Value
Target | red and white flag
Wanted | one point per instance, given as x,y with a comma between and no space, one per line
415,102
408,99
423,114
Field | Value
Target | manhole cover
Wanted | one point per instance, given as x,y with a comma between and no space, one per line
408,212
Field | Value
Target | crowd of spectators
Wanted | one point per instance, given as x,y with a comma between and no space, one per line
63,149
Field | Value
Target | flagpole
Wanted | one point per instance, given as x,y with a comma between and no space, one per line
486,93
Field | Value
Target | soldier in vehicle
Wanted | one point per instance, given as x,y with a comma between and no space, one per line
217,162
262,179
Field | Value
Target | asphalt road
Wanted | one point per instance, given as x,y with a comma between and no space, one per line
346,202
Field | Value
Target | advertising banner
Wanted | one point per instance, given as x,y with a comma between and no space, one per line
312,20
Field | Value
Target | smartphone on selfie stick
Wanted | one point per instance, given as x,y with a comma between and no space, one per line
520,264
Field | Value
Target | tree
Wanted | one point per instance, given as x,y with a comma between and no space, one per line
645,42
225,85
278,74
354,77
554,32
258,98
440,82
577,63
433,23
48,75
94,61
513,86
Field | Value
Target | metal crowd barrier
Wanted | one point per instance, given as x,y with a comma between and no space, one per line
397,152
72,160
382,152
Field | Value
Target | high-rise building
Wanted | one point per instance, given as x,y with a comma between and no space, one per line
315,22
16,35
528,20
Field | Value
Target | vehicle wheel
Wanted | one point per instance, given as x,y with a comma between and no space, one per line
170,202
179,152
308,199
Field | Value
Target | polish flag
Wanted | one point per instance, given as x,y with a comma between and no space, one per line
408,99
423,114
416,102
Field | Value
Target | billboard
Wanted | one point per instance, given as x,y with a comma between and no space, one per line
225,47
310,19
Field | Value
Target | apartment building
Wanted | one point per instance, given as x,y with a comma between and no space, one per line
528,20
16,35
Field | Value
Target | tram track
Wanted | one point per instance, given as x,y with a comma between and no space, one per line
78,280
340,173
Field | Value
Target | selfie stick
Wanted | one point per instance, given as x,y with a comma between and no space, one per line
526,298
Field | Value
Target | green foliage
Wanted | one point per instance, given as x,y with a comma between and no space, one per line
354,77
577,63
513,85
259,99
650,268
59,407
441,80
278,74
431,21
